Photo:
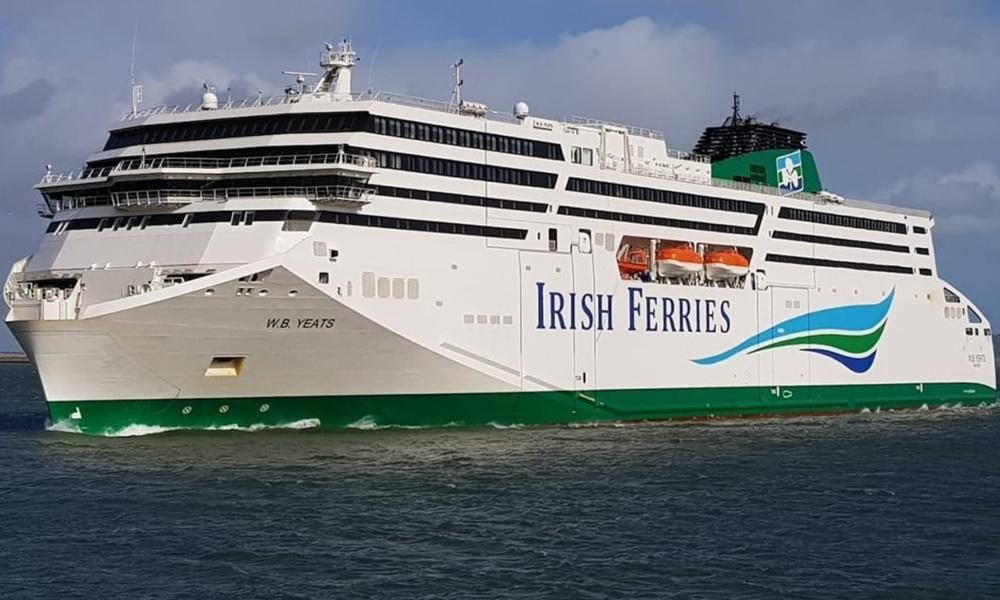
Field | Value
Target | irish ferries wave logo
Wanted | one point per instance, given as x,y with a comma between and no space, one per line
790,176
846,334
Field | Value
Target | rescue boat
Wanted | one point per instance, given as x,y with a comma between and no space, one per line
633,262
679,260
721,265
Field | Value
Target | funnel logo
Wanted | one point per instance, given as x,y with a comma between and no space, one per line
790,177
846,334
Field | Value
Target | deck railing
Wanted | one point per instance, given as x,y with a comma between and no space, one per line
177,162
160,197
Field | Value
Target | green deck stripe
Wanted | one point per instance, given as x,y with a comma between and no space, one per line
106,417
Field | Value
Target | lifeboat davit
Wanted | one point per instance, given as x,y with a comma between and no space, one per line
633,262
681,260
721,265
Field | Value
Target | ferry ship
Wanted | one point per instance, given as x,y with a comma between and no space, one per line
332,259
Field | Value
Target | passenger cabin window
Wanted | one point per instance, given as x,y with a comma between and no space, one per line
553,239
918,229
582,156
950,296
923,251
974,317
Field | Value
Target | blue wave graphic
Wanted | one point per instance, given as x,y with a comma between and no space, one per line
858,364
851,318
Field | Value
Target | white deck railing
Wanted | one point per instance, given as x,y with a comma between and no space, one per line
161,197
194,164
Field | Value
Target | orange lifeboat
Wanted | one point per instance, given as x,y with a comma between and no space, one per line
721,265
679,260
633,262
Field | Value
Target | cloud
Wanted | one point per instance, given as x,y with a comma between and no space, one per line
29,101
965,201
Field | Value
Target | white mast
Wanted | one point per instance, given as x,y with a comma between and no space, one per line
135,89
456,82
336,80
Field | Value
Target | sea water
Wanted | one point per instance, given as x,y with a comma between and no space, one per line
880,504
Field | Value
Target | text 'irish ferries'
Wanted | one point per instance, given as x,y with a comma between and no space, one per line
558,310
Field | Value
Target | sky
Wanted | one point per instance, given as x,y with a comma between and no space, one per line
900,99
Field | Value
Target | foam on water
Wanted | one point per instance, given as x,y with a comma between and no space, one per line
365,423
505,426
140,429
137,429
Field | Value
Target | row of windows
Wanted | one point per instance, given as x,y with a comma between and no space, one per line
329,123
467,139
237,218
456,168
418,225
395,192
632,192
840,264
847,242
142,222
234,128
822,218
589,213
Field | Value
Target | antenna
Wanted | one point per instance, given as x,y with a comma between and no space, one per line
136,90
300,79
457,81
736,118
371,65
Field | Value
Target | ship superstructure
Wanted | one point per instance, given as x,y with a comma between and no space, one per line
338,259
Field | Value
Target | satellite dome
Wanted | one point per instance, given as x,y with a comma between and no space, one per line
521,110
209,101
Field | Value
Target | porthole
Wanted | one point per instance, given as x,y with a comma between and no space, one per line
293,293
210,292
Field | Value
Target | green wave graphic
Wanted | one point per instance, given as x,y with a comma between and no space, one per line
852,344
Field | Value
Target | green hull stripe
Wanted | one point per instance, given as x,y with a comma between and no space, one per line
110,417
852,344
